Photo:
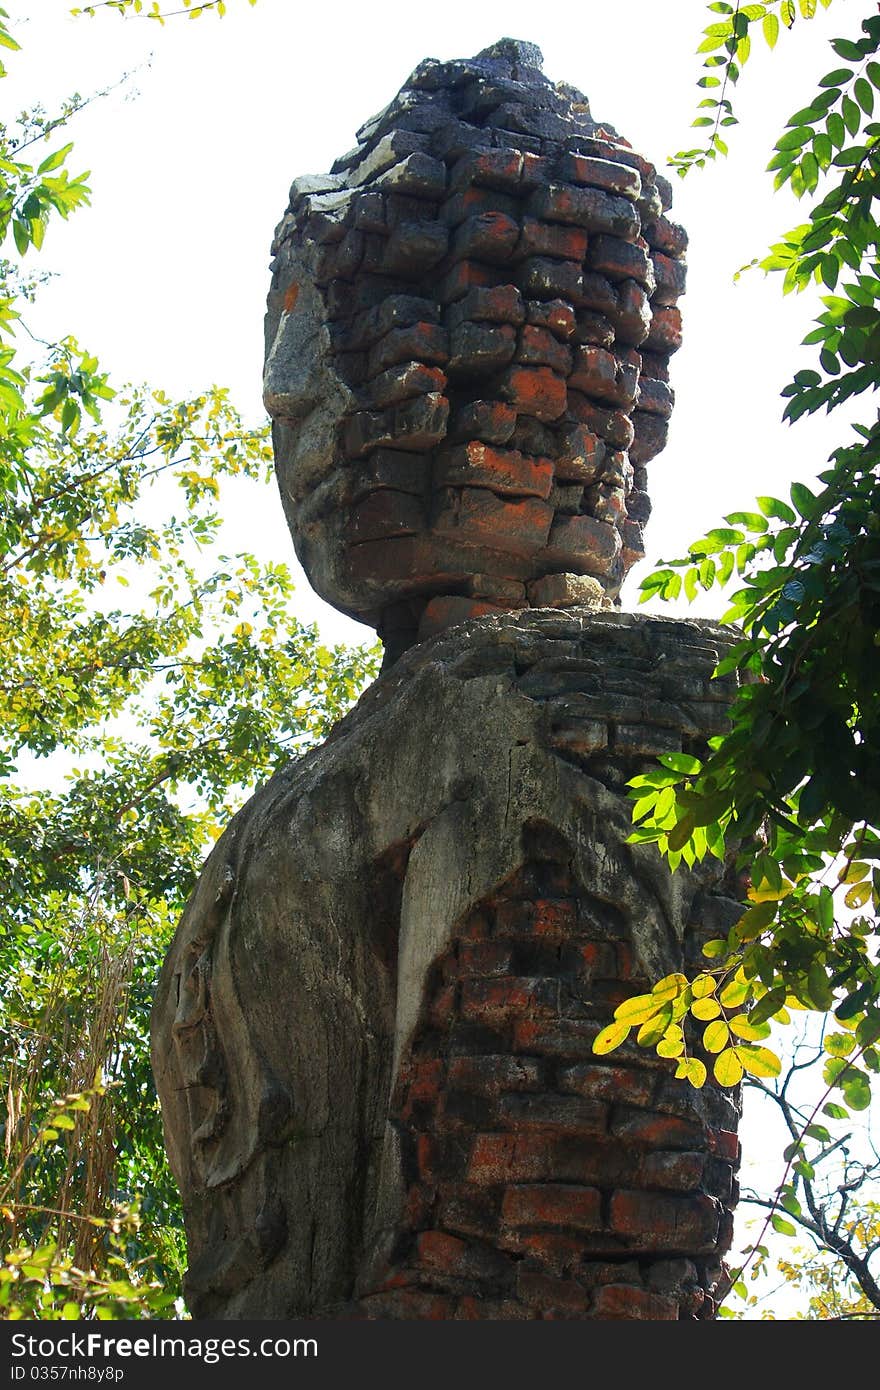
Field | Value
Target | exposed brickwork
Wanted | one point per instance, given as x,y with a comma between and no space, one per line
543,1181
496,270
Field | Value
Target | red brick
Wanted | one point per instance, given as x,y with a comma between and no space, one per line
678,1172
534,391
420,342
480,348
489,236
608,1082
724,1144
601,173
621,260
553,314
472,1308
465,276
671,277
614,426
477,516
441,613
537,997
547,1293
552,239
498,168
651,1221
556,1252
562,1114
426,1156
505,471
613,1301
437,1250
553,918
505,1158
491,422
385,513
442,1007
409,1304
539,347
404,381
668,237
665,334
602,374
484,958
490,1075
658,1131
497,304
650,435
583,545
581,455
553,1204
591,208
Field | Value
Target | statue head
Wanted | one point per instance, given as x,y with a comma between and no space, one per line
467,346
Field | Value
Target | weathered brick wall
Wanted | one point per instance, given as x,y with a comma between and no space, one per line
468,344
544,1181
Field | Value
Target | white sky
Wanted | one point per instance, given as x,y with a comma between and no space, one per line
165,277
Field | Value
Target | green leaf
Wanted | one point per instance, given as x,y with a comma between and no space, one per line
772,506
783,1227
804,500
836,78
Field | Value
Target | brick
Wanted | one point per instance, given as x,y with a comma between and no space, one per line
507,1158
566,591
655,397
724,1143
508,592
595,328
466,276
609,1083
469,1211
580,456
632,318
477,515
649,438
480,347
401,1304
484,958
388,468
563,1114
678,1172
544,278
490,1075
419,342
385,513
442,1007
601,173
552,239
487,236
667,236
605,375
445,611
591,208
543,1291
491,422
619,1301
423,1078
583,545
621,260
553,918
496,304
534,391
472,201
553,1204
566,498
418,175
598,294
497,169
548,1250
651,1221
536,997
671,278
665,334
414,248
539,347
555,315
401,383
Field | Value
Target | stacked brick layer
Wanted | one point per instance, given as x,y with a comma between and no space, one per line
544,1181
500,282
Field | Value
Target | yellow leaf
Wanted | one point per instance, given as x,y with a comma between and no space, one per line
610,1038
638,1009
705,1008
760,1061
728,1068
716,1036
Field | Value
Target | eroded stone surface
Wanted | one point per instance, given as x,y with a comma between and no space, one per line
467,346
372,1035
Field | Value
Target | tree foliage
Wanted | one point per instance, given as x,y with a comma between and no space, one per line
168,678
793,789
